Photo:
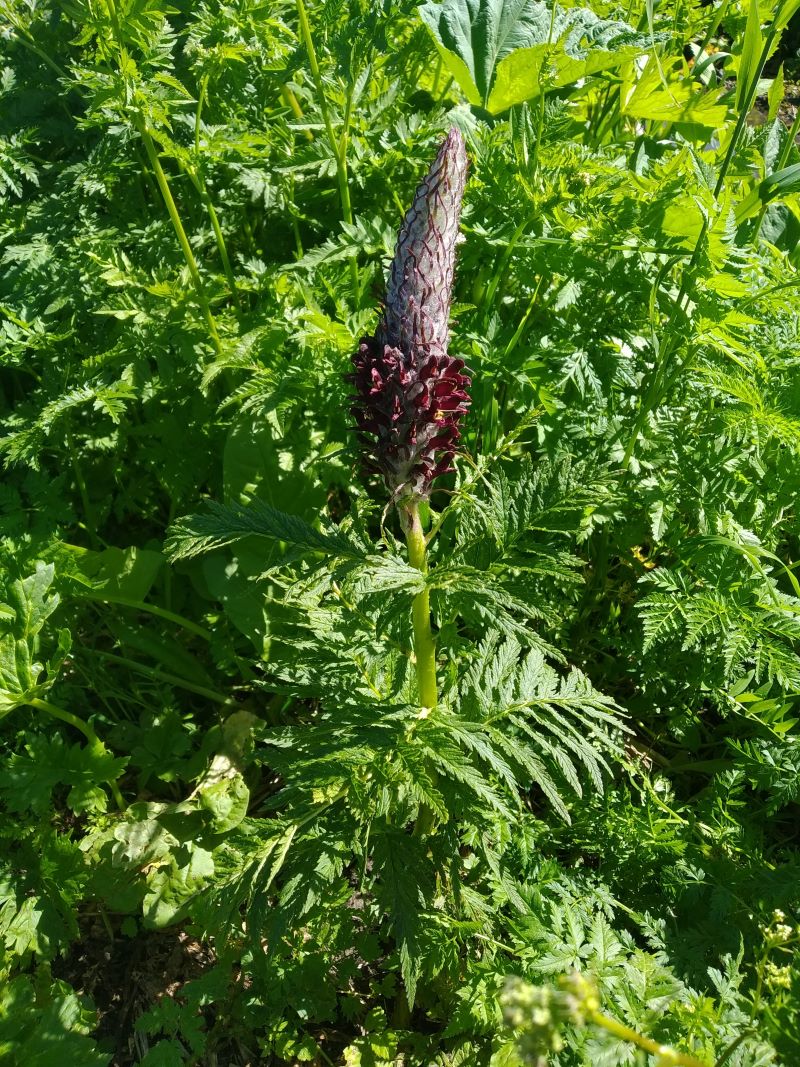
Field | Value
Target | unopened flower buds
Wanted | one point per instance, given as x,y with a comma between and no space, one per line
410,394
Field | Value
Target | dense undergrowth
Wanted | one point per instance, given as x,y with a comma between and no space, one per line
231,834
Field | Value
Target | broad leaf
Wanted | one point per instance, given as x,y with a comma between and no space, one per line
28,608
578,45
676,101
474,35
503,52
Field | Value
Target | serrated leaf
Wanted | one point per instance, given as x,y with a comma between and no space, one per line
404,882
20,672
496,49
223,524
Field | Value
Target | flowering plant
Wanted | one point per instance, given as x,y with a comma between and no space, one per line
410,393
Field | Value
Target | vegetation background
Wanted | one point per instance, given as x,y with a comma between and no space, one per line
213,751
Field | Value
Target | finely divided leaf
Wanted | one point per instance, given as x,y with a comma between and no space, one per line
196,535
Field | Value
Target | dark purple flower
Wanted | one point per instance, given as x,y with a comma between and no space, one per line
410,394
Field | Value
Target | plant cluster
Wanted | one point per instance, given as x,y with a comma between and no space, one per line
399,635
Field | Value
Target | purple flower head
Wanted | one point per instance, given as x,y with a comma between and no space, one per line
410,394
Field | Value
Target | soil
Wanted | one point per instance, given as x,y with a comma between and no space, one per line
787,110
128,976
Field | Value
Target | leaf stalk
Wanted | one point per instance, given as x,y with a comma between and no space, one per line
79,724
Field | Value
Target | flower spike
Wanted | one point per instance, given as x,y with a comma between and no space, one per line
410,394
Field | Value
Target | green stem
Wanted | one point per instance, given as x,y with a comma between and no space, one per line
539,131
424,647
219,237
84,727
66,716
167,197
183,240
625,1033
308,42
523,322
150,609
221,246
293,104
112,10
338,146
436,76
446,89
673,335
715,21
165,676
794,129
503,266
610,114
199,183
542,98
80,481
292,209
26,39
201,99
592,135
746,108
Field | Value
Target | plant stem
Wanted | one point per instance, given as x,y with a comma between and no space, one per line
80,481
222,248
183,240
502,267
424,647
293,104
715,21
682,1059
25,38
150,609
165,676
788,144
437,75
291,207
84,727
338,147
543,88
197,179
201,99
66,716
166,194
672,334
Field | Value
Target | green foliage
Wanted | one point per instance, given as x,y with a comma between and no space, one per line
231,832
504,52
45,1027
22,618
